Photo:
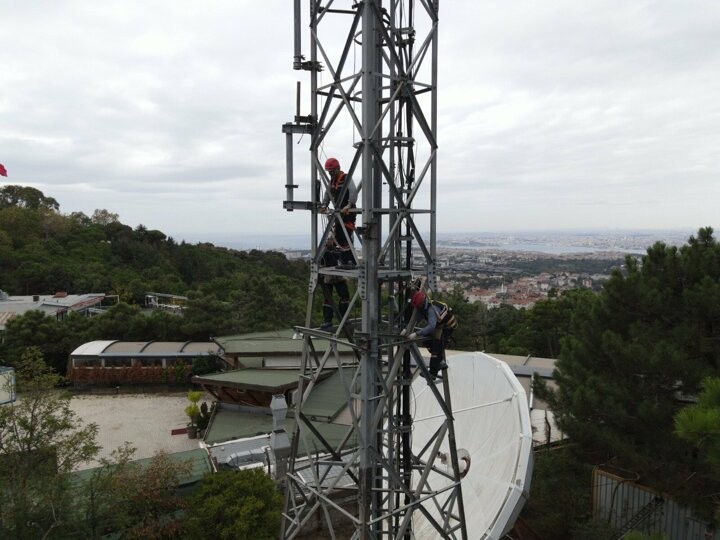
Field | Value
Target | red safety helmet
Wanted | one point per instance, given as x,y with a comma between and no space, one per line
418,299
331,164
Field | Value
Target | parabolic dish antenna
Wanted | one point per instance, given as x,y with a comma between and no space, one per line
494,441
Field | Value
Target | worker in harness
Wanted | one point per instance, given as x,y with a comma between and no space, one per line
331,257
343,193
441,324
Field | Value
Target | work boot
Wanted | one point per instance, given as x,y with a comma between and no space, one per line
435,364
327,316
434,377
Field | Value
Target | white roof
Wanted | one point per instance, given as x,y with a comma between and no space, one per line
492,423
49,304
93,348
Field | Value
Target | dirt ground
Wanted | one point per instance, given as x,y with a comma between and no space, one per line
144,420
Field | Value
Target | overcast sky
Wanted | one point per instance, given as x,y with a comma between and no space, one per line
553,115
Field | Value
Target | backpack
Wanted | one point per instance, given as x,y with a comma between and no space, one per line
446,317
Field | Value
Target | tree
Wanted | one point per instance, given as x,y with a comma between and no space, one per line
699,423
116,322
37,329
21,225
651,335
103,217
209,317
471,317
243,505
503,322
26,197
138,499
560,496
549,321
268,302
41,441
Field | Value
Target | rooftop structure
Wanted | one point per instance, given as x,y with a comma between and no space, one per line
132,362
142,349
198,458
7,385
56,305
276,349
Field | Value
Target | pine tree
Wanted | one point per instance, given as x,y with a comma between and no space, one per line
651,337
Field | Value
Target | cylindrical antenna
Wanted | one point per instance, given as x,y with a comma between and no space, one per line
297,59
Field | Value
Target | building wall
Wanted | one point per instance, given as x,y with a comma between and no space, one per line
98,371
7,385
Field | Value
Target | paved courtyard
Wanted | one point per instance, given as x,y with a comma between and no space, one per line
144,420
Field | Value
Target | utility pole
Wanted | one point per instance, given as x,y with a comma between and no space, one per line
373,104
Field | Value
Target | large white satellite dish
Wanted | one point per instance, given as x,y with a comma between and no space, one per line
494,441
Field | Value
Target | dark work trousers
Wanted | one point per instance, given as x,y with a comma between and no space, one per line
340,285
436,345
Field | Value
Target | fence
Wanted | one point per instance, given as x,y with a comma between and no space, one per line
627,506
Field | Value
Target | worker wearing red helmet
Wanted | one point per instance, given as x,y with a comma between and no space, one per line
441,323
343,193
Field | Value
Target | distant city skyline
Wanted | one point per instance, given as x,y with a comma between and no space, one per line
552,115
549,241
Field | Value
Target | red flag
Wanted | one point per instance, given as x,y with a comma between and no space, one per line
3,171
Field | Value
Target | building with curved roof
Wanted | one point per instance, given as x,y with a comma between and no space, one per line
133,362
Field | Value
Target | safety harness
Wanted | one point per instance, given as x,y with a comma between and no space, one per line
445,315
335,187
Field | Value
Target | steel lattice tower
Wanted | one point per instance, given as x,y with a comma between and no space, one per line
380,108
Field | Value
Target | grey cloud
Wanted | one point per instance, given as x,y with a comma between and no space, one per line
565,113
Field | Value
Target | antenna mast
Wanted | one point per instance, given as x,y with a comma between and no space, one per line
373,98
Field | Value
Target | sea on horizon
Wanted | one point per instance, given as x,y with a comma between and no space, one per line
553,243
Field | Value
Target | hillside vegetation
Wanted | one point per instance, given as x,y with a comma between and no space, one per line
43,251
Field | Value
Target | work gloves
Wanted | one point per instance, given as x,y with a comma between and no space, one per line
403,332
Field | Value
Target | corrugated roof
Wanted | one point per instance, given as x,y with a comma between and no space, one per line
530,361
146,348
126,347
198,458
279,342
199,464
228,425
328,398
253,361
326,401
92,348
164,346
201,347
265,380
